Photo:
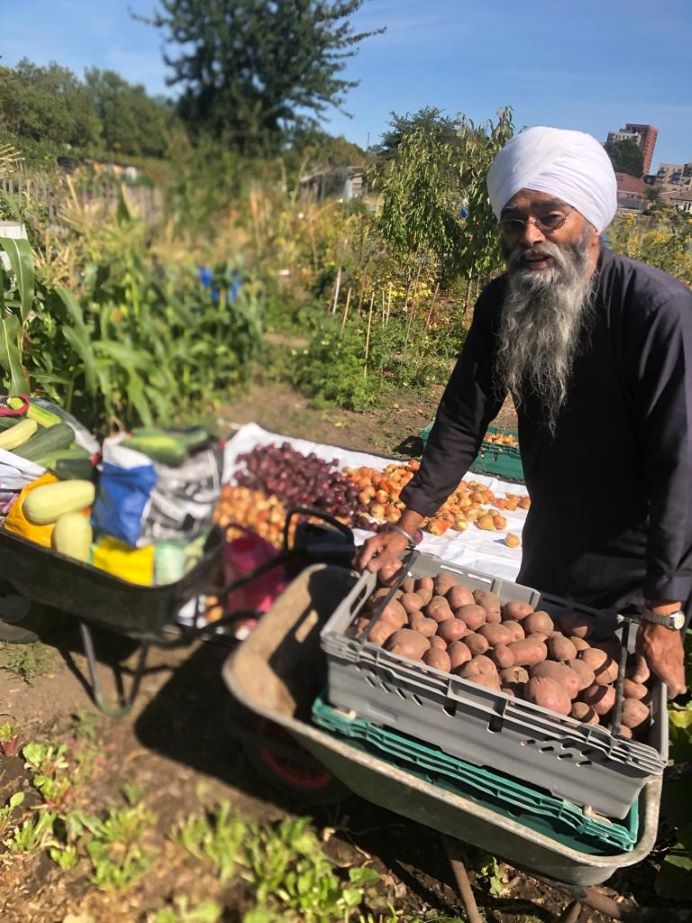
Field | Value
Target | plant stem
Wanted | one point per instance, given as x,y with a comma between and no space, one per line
348,301
337,286
367,336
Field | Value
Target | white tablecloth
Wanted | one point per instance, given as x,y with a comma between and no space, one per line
474,548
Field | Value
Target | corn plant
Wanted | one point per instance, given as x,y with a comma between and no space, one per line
16,303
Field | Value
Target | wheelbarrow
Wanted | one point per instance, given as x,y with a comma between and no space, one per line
149,615
274,678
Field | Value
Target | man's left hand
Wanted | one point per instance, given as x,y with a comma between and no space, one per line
664,653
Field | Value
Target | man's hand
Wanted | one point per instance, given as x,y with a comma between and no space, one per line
382,552
663,650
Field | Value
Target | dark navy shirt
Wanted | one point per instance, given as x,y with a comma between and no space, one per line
611,514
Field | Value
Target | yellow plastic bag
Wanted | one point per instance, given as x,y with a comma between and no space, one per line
17,522
133,564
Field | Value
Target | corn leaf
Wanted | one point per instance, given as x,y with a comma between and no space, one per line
10,358
22,262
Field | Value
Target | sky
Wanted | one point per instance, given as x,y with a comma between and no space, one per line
591,65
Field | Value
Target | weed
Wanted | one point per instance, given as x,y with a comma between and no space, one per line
7,810
34,834
133,792
182,912
66,856
490,874
26,660
86,725
48,768
113,844
217,837
10,739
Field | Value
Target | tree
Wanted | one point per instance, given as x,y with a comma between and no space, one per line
252,71
429,120
626,157
133,123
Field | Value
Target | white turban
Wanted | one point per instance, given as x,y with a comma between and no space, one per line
570,165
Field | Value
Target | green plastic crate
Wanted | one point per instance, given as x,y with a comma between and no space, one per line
536,809
501,461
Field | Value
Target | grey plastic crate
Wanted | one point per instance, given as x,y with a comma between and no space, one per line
583,763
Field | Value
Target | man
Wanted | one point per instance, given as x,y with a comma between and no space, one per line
596,351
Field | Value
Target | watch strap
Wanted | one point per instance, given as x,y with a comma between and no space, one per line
675,620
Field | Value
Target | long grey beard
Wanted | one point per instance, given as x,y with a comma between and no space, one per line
543,316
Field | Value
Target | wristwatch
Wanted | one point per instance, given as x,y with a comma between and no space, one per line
674,621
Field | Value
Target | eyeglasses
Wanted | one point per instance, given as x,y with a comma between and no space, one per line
546,224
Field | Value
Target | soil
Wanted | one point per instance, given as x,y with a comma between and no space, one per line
176,748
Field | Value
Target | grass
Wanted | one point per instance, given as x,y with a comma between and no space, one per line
27,660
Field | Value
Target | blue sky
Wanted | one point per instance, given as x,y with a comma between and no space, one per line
586,64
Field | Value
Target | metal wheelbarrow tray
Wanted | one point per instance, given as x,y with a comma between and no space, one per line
277,674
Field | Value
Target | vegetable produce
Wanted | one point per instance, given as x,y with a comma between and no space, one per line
45,504
72,536
570,676
299,480
18,434
47,441
240,508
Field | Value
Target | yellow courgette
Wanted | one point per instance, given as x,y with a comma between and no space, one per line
72,536
18,434
45,504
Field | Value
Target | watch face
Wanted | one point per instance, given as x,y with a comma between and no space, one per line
678,620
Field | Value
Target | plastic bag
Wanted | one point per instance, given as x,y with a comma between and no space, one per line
135,565
242,555
17,522
125,486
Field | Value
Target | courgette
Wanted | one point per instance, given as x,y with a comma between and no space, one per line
47,441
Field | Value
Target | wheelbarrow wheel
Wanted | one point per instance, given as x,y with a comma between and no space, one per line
285,765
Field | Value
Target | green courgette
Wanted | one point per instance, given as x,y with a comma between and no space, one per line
48,440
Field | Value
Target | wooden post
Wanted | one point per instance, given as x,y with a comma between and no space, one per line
432,305
348,301
389,302
367,336
337,286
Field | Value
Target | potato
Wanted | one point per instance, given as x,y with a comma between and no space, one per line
444,582
541,636
438,659
477,644
515,628
474,616
438,609
528,652
483,679
516,610
624,731
538,621
634,713
459,654
483,664
409,585
411,602
579,643
600,698
611,646
509,690
585,673
501,656
407,643
356,627
560,648
563,676
425,589
575,623
383,591
546,692
424,626
452,630
439,643
490,603
638,671
459,596
512,676
380,631
394,613
583,712
496,634
604,667
634,690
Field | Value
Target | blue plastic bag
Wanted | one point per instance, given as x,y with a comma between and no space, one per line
123,496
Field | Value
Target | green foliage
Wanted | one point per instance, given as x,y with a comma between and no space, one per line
34,834
662,238
6,812
626,157
26,660
183,911
49,770
114,844
251,72
131,121
217,837
437,168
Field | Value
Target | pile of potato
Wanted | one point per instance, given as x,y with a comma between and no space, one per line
241,506
472,502
500,439
510,648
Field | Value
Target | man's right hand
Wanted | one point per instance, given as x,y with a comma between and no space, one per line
383,550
